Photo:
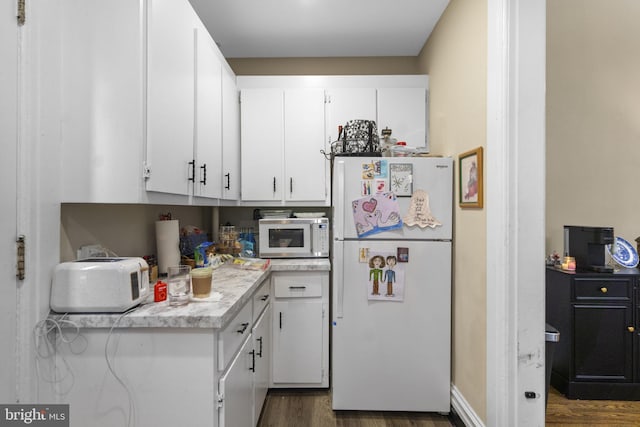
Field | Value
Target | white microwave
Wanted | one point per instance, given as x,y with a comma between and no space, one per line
293,238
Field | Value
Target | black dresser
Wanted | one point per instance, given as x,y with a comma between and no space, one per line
598,317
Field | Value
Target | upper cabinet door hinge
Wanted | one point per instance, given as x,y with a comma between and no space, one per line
20,257
21,12
146,171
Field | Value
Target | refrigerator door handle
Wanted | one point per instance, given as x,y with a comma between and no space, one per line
338,225
338,269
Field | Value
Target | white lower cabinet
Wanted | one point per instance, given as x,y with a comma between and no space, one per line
262,348
300,329
235,389
244,378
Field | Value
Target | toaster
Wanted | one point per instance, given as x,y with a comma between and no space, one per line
99,285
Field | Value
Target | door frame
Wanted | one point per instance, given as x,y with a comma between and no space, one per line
9,105
516,61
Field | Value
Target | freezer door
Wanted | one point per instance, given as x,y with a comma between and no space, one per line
392,355
433,175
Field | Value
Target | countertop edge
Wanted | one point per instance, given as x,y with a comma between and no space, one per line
237,287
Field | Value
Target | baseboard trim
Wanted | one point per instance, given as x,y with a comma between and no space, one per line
463,411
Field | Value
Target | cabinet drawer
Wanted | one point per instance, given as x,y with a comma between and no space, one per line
261,298
593,288
233,335
297,285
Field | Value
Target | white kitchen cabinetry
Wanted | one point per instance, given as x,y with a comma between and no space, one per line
346,104
300,329
236,389
262,347
282,133
305,166
404,111
171,96
208,122
261,124
230,136
244,382
165,375
102,130
184,103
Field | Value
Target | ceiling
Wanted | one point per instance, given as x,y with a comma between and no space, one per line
319,28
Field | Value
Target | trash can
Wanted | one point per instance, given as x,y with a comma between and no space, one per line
551,337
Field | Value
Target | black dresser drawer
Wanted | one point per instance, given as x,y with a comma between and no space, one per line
605,289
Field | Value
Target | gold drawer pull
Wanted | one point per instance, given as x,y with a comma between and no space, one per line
603,290
630,328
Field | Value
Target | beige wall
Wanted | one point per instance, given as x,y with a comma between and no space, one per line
324,66
127,230
593,116
455,58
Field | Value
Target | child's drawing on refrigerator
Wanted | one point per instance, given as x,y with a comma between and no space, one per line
385,272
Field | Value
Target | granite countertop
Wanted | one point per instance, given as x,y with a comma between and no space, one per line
232,288
301,264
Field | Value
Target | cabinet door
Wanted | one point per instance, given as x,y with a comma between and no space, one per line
230,137
349,104
305,165
236,387
404,111
170,96
262,347
102,79
261,121
208,123
602,342
297,341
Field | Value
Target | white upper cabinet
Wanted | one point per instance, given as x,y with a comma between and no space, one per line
208,123
346,104
184,104
305,166
230,136
404,111
282,134
171,96
103,104
262,128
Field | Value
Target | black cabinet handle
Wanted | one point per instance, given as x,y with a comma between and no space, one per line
274,184
297,288
291,185
260,351
244,328
280,320
193,171
228,175
203,181
253,361
264,297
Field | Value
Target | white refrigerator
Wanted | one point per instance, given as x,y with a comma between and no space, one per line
391,342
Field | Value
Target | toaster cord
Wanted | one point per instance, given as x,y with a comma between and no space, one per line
48,334
130,416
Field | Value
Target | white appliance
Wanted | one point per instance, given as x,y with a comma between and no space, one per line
390,354
99,285
293,238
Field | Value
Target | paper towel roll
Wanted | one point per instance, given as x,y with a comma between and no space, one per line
168,244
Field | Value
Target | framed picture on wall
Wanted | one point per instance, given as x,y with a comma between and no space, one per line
470,182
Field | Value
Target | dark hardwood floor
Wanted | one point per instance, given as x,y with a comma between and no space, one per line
312,408
568,412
